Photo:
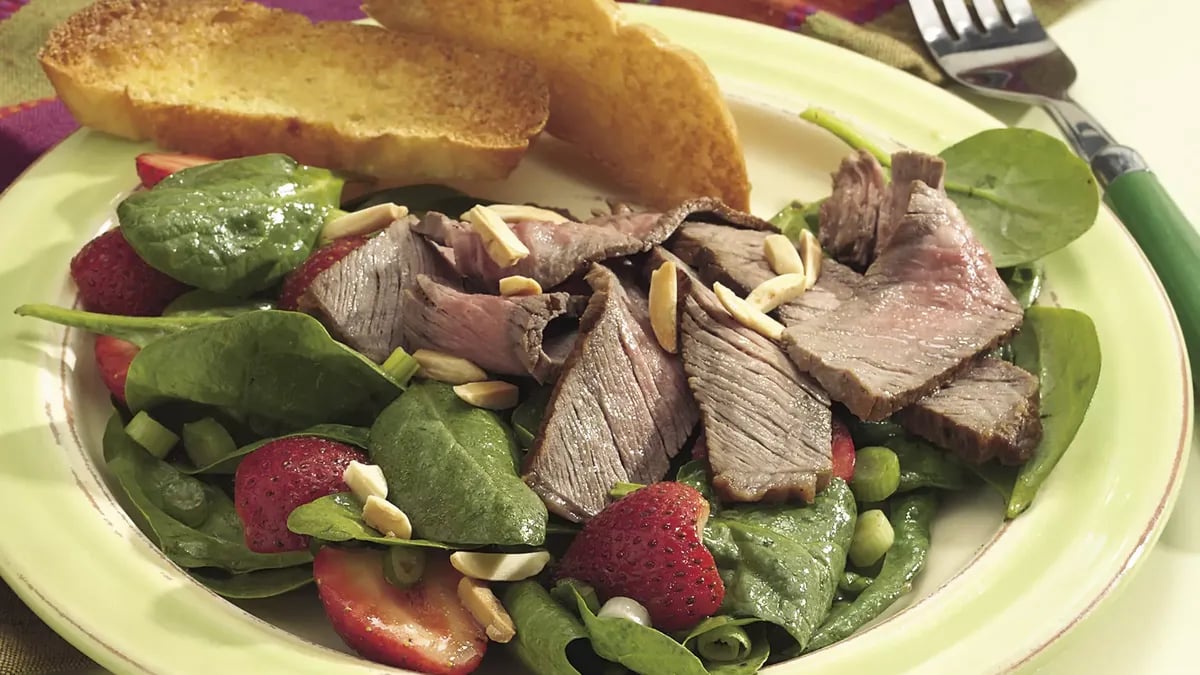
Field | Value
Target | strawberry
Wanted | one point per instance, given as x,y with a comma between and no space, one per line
299,279
113,357
843,451
112,279
152,167
647,546
281,475
424,627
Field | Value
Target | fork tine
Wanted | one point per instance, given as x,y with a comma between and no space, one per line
1019,11
989,15
960,17
929,21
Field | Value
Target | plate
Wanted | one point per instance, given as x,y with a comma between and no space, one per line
994,596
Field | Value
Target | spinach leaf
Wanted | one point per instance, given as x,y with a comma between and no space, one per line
338,517
1025,282
721,640
451,467
923,465
1024,192
356,436
527,417
254,585
694,474
217,542
782,563
200,302
996,476
752,662
797,217
280,371
912,514
140,330
1068,367
545,630
639,648
234,227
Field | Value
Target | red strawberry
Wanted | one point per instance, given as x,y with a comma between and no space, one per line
113,357
155,166
843,451
424,627
281,475
647,546
321,259
112,279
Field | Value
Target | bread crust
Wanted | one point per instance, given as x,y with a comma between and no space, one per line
226,78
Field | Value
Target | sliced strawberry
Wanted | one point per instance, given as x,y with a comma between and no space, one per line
424,627
281,475
321,259
647,546
152,167
843,451
112,279
113,357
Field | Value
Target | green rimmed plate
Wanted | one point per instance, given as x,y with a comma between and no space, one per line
993,597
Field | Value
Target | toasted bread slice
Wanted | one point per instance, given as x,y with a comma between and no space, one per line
647,109
226,78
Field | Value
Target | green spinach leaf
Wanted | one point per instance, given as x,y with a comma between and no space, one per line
1068,366
338,517
1025,282
234,227
923,465
639,648
545,630
752,662
782,563
694,474
527,417
722,639
140,330
356,436
254,585
797,217
218,542
280,371
200,302
451,467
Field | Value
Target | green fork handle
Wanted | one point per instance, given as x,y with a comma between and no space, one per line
1170,243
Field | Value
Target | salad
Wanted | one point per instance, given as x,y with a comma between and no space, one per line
682,442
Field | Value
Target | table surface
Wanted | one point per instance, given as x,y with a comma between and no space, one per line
1135,60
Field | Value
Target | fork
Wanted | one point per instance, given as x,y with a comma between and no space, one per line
999,48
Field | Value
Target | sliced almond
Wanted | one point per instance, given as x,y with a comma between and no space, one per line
483,604
493,394
777,290
810,254
746,314
664,301
501,244
386,517
499,566
781,255
365,480
517,285
368,220
446,368
515,213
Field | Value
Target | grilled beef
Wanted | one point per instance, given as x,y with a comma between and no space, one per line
850,215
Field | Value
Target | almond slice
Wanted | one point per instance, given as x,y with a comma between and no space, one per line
386,517
501,244
517,285
811,255
483,604
492,395
365,480
362,222
446,368
515,213
776,291
781,255
664,302
746,314
499,566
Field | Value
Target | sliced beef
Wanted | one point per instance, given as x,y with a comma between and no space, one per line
925,308
907,166
851,213
989,411
836,285
619,411
360,299
766,425
508,336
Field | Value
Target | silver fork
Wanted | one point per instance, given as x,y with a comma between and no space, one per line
999,48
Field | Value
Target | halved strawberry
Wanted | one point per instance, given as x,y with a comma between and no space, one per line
113,279
152,167
424,627
321,259
843,451
647,546
113,357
